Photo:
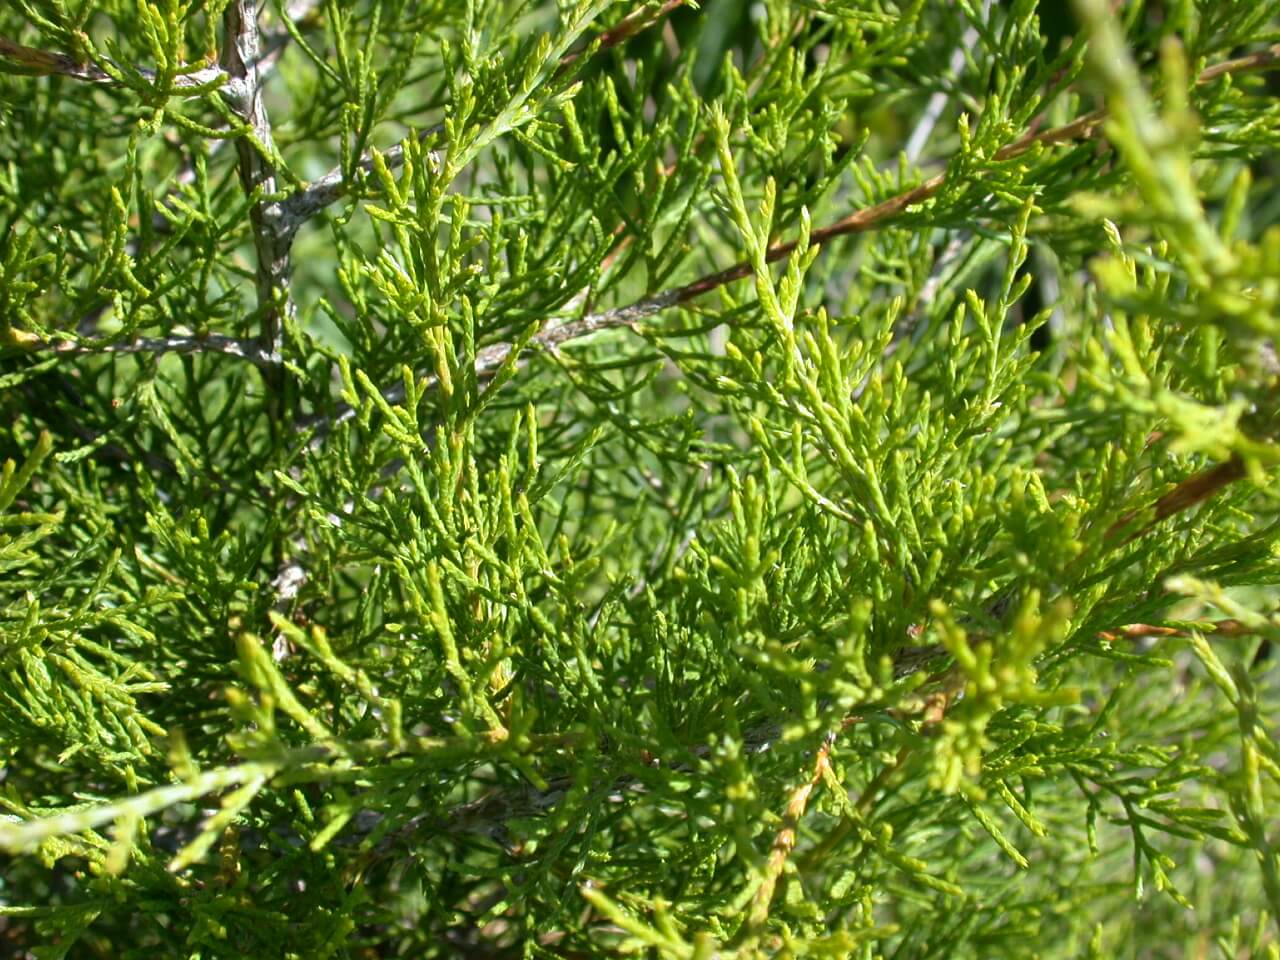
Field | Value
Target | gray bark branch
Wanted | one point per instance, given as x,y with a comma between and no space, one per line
250,350
271,241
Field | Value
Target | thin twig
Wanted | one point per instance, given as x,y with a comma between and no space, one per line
1195,489
250,350
1263,60
633,23
332,187
195,81
1150,631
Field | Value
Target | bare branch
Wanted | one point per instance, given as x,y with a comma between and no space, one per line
271,241
249,350
333,186
274,45
1263,60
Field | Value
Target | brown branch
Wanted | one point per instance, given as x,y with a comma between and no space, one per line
860,221
1143,631
1263,60
633,23
785,840
1195,489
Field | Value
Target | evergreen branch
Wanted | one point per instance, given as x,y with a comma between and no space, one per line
276,44
490,814
333,186
17,834
303,764
933,711
739,616
1195,489
875,216
559,332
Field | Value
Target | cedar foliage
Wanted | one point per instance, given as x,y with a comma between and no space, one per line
557,479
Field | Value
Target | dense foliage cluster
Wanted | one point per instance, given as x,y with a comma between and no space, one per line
557,478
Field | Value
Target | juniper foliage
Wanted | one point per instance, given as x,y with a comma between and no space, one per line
513,478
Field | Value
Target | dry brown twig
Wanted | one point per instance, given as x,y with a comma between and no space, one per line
785,840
